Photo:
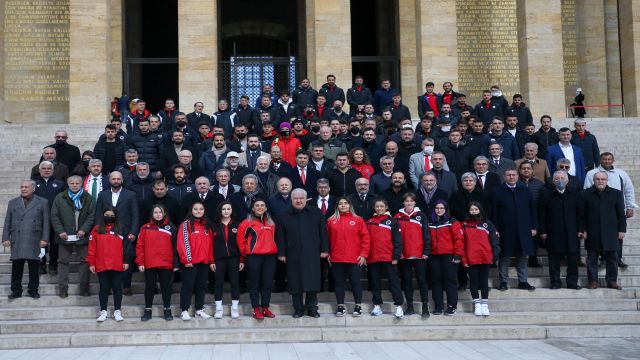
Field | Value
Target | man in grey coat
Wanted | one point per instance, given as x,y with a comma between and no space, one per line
26,231
72,216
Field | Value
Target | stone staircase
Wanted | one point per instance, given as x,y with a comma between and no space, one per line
516,314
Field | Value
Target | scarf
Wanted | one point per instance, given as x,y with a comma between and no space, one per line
76,198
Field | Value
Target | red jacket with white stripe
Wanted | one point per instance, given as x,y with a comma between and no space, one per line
416,240
386,240
348,239
156,246
195,242
446,238
481,243
108,251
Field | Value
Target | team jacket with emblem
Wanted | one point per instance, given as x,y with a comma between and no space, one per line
446,238
195,243
108,251
386,240
156,246
416,240
225,244
348,239
255,237
481,243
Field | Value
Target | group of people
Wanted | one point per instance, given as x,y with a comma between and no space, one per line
207,199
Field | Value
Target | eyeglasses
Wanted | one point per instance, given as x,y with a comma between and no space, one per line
61,137
564,167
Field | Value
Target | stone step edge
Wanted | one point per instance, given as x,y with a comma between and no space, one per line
319,334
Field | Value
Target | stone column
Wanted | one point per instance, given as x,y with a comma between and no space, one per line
629,15
614,82
410,67
592,56
329,41
540,52
198,53
115,48
89,77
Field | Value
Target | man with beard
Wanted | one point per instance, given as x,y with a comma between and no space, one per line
66,153
169,153
161,196
141,183
180,187
224,118
267,180
343,177
241,201
302,241
214,158
394,193
96,181
145,144
372,147
185,158
429,194
110,149
358,96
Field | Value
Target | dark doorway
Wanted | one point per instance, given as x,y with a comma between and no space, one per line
374,41
259,46
150,51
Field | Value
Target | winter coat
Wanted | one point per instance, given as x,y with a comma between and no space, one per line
147,147
558,219
481,243
225,243
514,215
589,146
416,238
358,95
386,239
156,246
446,238
108,251
26,226
256,237
195,243
288,146
304,96
604,217
332,94
63,217
348,239
100,151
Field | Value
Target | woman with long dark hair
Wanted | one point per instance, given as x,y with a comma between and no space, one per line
256,241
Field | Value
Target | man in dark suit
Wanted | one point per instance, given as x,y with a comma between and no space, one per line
304,176
394,193
197,116
96,181
128,212
223,184
327,205
208,198
47,186
169,152
241,200
250,156
486,181
319,161
362,200
429,193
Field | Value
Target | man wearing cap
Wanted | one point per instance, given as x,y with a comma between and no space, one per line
287,143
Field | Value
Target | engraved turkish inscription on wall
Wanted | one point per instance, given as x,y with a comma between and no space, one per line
569,49
36,48
487,46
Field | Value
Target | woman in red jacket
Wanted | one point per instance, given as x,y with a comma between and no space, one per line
447,249
482,248
385,251
108,255
156,256
258,250
416,247
360,161
227,255
195,249
349,247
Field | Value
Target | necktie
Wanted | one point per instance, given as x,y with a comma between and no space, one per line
427,163
94,189
497,162
224,192
481,181
323,209
362,197
303,177
202,197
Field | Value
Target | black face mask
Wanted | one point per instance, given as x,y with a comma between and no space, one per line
474,217
181,123
284,132
85,162
241,135
337,108
355,130
109,219
61,142
315,128
309,112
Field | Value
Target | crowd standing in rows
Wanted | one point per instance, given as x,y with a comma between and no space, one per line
298,194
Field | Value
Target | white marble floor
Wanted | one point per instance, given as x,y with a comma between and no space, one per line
449,350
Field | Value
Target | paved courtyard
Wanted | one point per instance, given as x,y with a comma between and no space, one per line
449,350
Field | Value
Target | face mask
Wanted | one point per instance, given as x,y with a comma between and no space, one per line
496,93
109,219
474,217
284,132
309,112
61,142
561,184
337,108
355,130
181,123
315,128
85,162
241,135
428,149
446,128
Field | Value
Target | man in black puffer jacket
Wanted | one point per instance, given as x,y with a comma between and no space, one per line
146,144
110,149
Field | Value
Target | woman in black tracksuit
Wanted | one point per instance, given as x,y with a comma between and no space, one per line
227,257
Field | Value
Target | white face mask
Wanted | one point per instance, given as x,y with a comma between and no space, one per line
496,93
428,149
446,128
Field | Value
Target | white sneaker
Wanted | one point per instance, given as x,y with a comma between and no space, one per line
399,312
376,311
218,313
234,312
477,309
202,314
485,310
102,317
117,315
185,316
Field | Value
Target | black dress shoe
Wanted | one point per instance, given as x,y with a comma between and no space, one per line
622,264
526,286
409,310
64,293
574,287
313,313
146,316
34,295
298,314
503,287
14,296
555,287
167,315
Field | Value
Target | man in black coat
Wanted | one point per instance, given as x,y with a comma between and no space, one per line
429,194
395,192
302,241
208,198
66,153
48,187
602,209
169,152
127,209
110,149
241,200
197,116
161,197
486,180
558,221
459,200
362,200
303,170
343,177
146,144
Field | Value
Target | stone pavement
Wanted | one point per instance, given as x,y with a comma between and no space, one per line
585,348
